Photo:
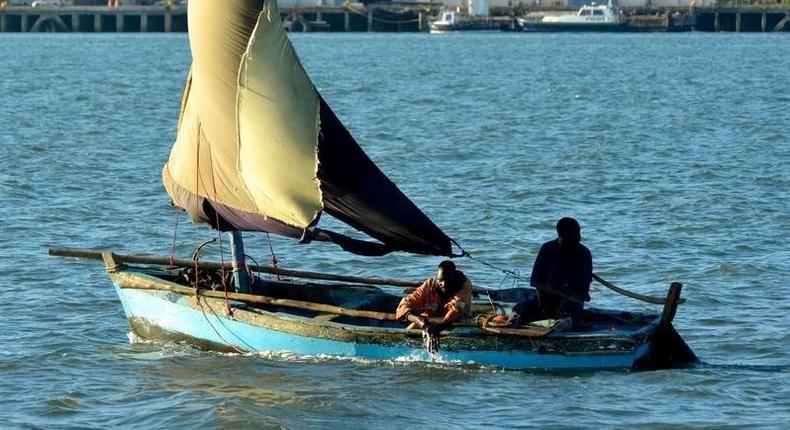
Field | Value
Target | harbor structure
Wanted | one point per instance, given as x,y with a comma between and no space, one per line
298,15
334,15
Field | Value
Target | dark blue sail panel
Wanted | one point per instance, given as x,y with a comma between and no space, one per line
358,193
229,218
224,218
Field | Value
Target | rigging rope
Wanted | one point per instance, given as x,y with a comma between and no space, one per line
517,278
274,256
175,234
554,291
203,310
197,191
222,272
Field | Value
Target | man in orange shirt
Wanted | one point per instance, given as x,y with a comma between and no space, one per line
447,295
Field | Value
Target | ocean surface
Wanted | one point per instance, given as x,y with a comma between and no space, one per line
673,151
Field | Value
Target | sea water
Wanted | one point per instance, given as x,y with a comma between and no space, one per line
672,150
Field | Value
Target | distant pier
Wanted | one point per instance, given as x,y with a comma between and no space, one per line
756,18
93,19
752,19
103,19
375,17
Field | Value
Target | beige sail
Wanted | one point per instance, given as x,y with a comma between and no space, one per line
258,149
248,133
278,126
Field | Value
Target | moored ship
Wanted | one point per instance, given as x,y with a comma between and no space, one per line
592,17
476,17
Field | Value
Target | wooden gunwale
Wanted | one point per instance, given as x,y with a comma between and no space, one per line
264,300
633,295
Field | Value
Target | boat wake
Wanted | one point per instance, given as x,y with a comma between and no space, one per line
767,368
422,358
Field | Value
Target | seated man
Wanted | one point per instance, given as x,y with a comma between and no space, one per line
448,295
561,275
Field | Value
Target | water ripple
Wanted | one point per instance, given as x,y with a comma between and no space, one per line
676,173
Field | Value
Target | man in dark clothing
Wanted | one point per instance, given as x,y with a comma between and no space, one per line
561,275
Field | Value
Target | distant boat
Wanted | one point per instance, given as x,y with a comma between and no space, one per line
258,149
474,18
592,17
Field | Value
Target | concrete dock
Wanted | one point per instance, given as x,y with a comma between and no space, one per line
103,19
375,17
743,19
93,19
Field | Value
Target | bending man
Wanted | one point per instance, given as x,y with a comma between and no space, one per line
447,295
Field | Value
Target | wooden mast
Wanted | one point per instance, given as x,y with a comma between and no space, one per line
241,278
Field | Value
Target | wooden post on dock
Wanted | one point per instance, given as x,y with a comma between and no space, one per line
119,23
716,22
75,22
23,23
3,23
144,23
347,21
738,22
419,21
764,21
168,22
97,23
370,19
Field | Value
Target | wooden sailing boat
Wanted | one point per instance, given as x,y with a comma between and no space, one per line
258,149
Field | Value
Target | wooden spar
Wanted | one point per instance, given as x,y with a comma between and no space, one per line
522,332
525,331
668,349
419,321
631,294
265,300
672,301
178,262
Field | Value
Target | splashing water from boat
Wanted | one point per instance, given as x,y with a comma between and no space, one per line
430,340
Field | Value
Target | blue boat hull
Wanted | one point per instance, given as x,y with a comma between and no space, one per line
205,322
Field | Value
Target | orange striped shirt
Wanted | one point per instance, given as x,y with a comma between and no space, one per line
426,301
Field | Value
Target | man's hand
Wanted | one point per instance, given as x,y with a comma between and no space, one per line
436,329
421,321
431,334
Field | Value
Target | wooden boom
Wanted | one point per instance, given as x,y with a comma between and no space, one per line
178,262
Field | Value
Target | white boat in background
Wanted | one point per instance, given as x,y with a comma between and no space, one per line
592,17
475,18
